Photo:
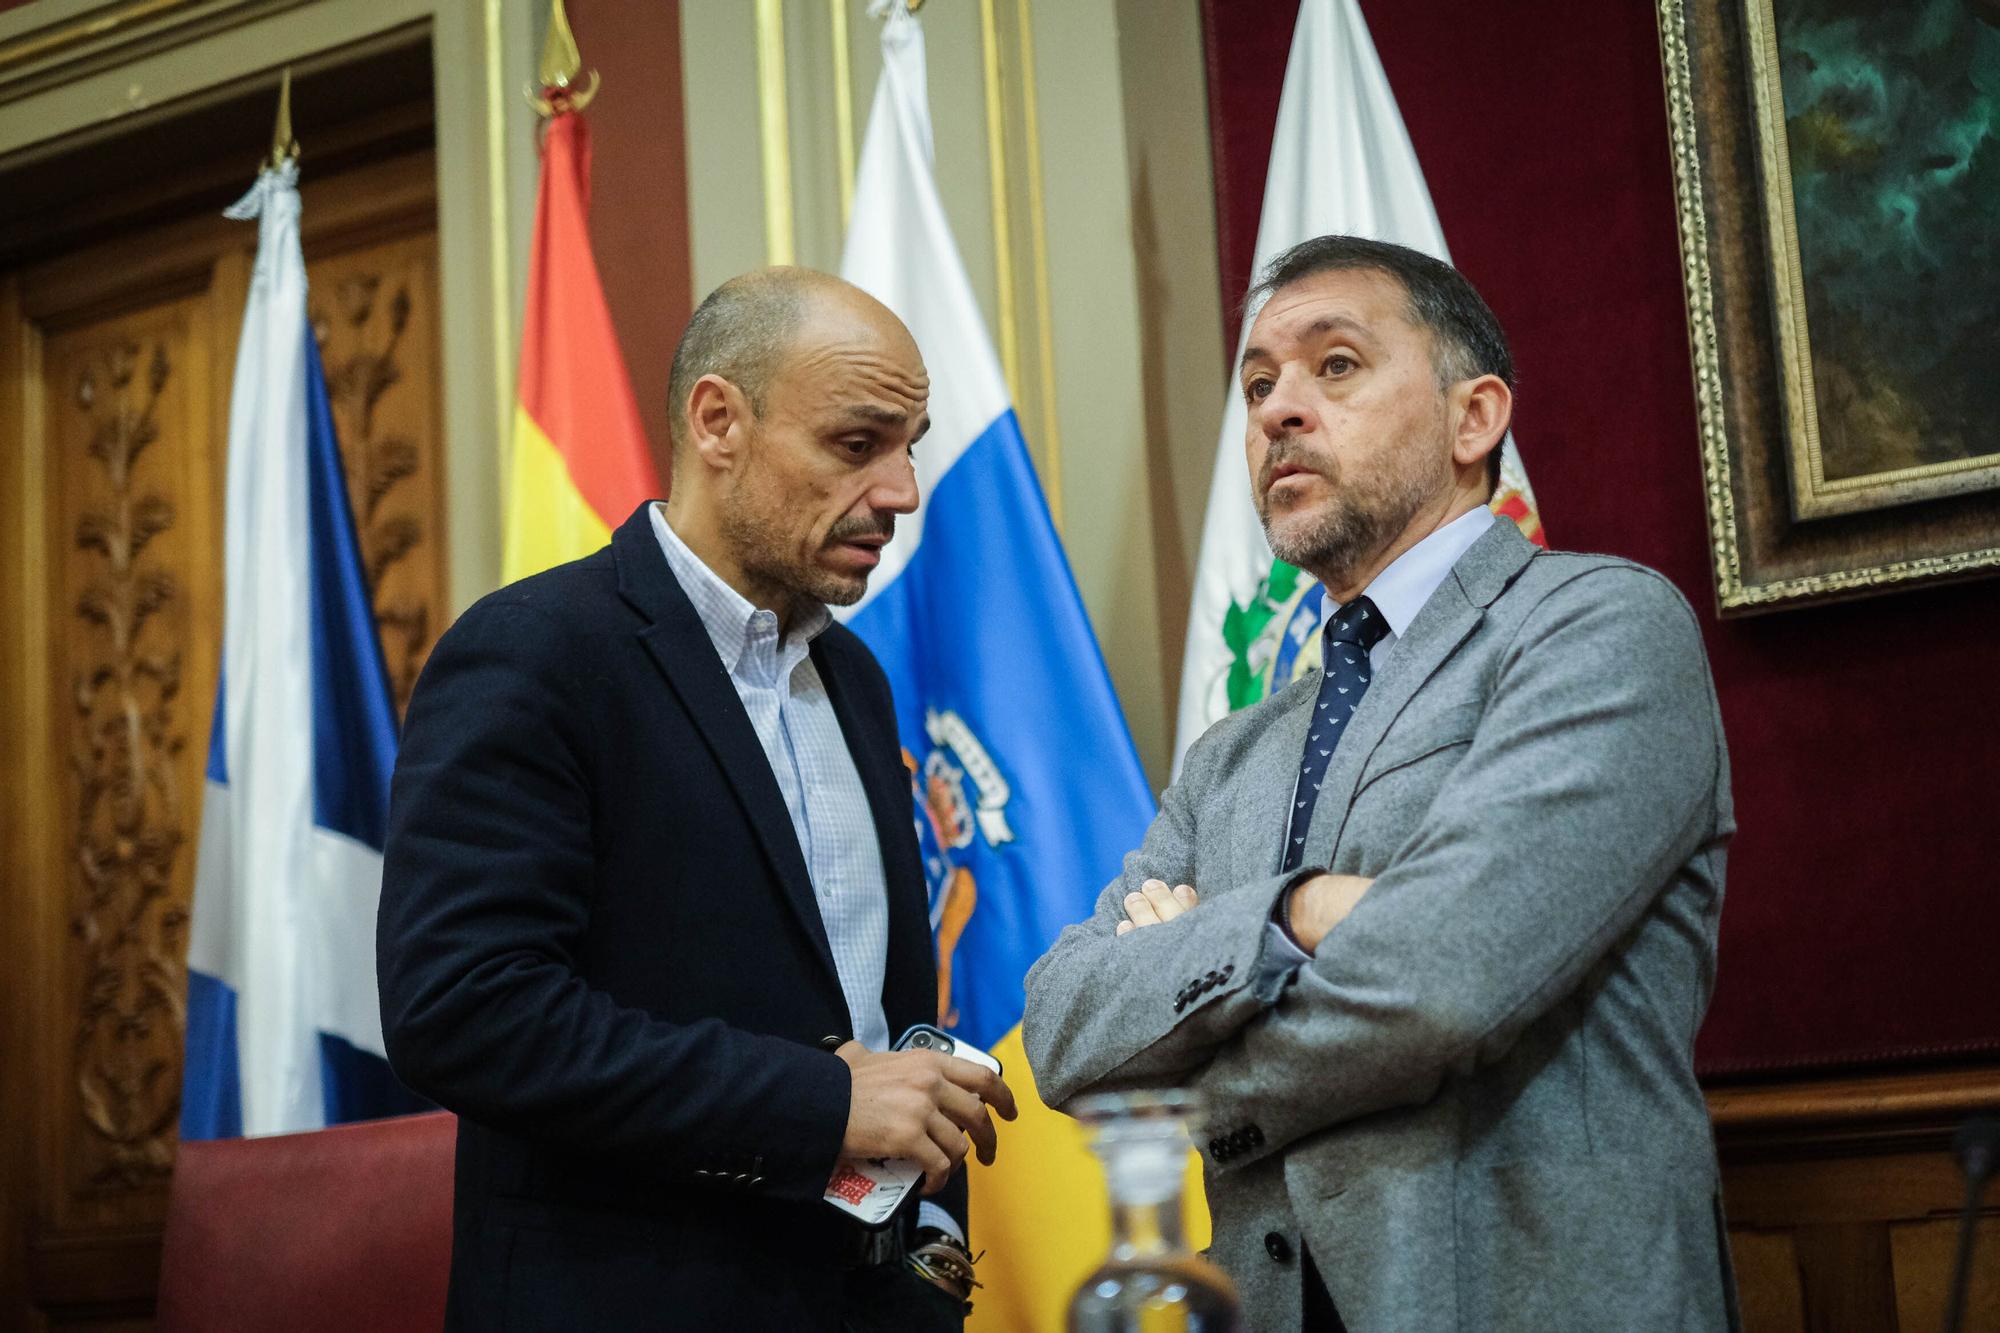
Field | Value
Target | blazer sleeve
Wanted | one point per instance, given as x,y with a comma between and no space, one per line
1594,776
1107,1012
486,891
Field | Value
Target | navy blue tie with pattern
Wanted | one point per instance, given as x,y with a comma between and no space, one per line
1354,629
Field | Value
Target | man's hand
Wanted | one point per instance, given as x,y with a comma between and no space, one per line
1319,904
1155,903
920,1105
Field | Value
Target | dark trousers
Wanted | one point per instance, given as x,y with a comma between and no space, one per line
1320,1315
889,1298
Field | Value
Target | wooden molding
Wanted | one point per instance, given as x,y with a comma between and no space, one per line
1901,1112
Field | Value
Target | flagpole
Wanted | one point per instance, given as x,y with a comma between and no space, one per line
284,148
561,62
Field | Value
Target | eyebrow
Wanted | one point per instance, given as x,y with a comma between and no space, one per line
885,417
1324,324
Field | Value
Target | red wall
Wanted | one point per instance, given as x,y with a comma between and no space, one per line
638,205
1863,908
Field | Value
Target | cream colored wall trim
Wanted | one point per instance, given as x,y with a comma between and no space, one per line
169,56
775,133
843,102
1000,199
1038,236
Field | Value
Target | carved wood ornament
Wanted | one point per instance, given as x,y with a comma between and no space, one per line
129,809
361,370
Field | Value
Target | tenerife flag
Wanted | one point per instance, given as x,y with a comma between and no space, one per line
1028,792
282,1028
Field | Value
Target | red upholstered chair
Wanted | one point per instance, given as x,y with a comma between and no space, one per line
342,1229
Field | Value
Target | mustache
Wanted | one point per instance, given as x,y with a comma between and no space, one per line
1287,451
847,529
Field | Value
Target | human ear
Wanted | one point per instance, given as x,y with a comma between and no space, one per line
1484,407
717,417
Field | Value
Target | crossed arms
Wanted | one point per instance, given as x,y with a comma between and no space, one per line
1592,778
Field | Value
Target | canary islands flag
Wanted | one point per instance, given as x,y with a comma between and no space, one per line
1028,791
282,1027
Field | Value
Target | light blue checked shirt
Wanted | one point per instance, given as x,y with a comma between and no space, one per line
794,719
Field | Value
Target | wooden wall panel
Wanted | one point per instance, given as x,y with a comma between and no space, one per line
1843,1200
128,406
374,310
118,363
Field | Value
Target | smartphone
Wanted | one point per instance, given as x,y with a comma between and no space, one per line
924,1037
873,1190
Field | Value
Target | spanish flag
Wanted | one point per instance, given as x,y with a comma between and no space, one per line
580,461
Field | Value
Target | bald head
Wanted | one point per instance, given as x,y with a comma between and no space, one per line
745,329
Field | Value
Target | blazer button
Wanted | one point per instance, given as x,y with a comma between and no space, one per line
830,1042
1277,1247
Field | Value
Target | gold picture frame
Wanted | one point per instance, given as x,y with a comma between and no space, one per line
1783,532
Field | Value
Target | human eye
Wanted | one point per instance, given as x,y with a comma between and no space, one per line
1257,388
1338,363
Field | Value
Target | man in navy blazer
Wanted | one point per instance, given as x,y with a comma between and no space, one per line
652,905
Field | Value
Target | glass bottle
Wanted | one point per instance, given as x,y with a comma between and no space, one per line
1151,1282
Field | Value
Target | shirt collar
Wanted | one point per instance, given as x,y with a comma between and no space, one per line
727,615
1401,590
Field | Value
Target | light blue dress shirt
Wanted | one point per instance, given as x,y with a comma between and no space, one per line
794,719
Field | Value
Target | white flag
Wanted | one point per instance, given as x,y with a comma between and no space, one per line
1341,163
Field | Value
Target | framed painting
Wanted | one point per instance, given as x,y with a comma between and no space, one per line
1837,171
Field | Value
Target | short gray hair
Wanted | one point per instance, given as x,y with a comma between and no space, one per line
740,332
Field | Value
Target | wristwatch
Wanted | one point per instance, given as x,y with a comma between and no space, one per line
940,1259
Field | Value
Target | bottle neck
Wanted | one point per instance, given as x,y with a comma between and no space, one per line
1143,1230
1143,1168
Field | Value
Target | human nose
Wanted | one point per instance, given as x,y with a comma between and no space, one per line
895,488
1288,408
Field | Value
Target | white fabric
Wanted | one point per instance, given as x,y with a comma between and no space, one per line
1341,162
273,899
899,251
794,719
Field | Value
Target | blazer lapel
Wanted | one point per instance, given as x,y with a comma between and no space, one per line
1446,621
909,982
1271,768
679,644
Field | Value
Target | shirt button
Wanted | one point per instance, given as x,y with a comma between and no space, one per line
1277,1247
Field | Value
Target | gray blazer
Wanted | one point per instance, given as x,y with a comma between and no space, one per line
1476,1103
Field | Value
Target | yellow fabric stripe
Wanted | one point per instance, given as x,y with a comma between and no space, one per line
548,522
1041,1214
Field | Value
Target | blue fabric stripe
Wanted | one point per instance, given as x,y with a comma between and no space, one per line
218,737
211,1093
359,1086
354,721
986,621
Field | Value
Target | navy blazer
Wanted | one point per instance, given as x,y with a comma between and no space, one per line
598,944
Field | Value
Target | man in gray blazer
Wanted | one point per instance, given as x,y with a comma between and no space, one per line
1443,915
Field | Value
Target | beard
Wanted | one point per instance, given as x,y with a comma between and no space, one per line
1362,517
762,529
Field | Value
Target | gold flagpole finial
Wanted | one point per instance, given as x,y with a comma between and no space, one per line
561,63
284,148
